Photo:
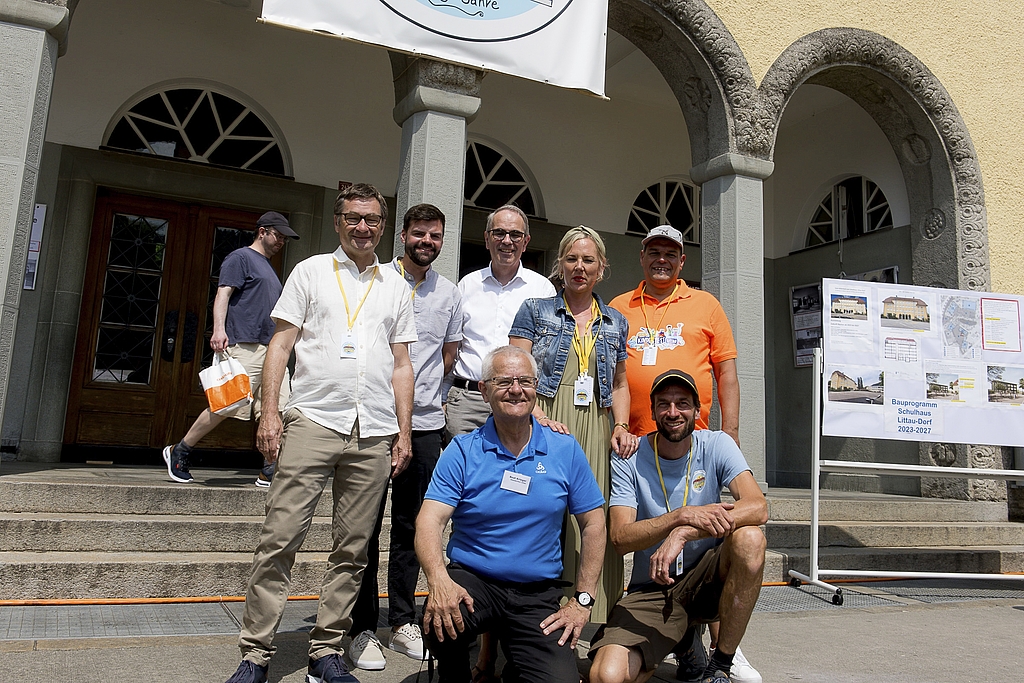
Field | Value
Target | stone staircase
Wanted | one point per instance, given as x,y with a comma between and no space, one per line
892,533
71,532
75,532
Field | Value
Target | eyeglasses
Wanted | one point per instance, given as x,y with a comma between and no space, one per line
514,235
353,219
525,381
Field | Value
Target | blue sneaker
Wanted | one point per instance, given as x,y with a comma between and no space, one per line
329,669
177,464
247,672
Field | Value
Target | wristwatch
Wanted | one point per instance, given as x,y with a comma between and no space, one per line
585,599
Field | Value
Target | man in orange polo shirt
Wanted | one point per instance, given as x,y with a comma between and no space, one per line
673,326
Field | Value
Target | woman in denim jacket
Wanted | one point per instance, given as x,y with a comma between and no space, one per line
580,348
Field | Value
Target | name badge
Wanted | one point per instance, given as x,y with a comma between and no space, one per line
650,355
679,561
583,390
515,482
348,345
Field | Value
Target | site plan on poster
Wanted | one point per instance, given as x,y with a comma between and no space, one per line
922,364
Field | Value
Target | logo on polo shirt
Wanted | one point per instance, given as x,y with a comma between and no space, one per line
540,468
700,477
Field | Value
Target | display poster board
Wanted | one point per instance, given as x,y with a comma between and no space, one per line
922,364
561,42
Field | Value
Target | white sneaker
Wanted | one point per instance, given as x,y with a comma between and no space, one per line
741,671
366,652
408,640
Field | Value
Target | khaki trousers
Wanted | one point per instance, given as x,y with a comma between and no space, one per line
309,455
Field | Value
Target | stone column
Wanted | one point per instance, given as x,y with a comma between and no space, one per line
31,36
732,252
435,101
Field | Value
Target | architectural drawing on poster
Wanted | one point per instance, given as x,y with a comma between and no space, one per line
908,313
1000,325
856,385
961,327
1005,384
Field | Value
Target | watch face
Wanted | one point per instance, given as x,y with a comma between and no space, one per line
585,599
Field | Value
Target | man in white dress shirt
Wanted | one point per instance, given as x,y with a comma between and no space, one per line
491,297
349,320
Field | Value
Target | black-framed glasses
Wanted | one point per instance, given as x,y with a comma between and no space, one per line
514,235
353,219
525,381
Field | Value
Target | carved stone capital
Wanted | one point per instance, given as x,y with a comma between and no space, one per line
423,84
731,164
52,16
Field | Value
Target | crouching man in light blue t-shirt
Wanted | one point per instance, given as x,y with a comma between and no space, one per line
696,559
506,487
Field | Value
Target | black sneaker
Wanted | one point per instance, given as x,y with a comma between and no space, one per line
247,672
329,669
177,464
694,658
266,475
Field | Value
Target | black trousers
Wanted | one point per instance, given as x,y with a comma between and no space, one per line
407,490
513,613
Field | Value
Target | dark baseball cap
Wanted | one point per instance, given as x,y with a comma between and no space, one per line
675,377
272,219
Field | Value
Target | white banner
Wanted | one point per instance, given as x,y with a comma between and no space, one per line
922,364
561,42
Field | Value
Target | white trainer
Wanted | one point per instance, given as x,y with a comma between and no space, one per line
408,640
741,671
366,652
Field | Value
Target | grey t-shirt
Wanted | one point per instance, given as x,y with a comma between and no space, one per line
257,289
717,460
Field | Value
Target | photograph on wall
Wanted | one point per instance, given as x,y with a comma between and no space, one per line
1005,384
858,385
960,323
888,275
805,313
1000,325
849,307
906,313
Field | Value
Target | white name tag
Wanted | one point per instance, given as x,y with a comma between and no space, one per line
583,390
348,345
650,355
679,561
515,482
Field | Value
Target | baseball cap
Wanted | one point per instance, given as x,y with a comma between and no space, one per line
666,232
272,219
675,377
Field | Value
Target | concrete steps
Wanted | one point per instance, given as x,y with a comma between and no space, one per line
892,533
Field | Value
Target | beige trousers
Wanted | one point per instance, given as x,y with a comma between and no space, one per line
310,455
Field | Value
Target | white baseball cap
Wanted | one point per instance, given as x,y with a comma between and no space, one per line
666,232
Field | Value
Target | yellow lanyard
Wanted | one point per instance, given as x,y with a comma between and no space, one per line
401,269
352,316
657,463
643,307
584,345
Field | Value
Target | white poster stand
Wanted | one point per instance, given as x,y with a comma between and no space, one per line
818,466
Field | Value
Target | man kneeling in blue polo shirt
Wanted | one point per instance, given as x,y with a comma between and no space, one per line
506,486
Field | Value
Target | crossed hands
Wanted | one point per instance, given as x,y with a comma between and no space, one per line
714,520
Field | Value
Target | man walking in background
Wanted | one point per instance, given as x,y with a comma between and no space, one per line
247,291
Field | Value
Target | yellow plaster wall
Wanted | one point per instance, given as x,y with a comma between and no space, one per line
976,49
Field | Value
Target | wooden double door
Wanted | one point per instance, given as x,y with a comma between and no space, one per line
146,321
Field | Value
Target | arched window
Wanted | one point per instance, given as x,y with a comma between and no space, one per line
671,202
200,124
854,207
493,179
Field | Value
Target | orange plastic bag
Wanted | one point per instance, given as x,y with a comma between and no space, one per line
226,384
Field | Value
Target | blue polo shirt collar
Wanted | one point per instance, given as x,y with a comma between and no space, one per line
538,444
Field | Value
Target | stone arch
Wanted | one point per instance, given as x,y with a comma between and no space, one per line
706,69
939,163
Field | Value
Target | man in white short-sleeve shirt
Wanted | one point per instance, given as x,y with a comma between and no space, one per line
349,320
491,297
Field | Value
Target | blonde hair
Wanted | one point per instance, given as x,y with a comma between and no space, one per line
571,237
